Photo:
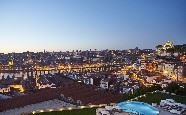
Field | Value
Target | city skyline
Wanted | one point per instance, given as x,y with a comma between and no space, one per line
93,57
70,25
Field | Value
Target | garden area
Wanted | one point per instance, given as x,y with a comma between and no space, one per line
86,111
157,97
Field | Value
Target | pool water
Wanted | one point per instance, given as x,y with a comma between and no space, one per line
138,108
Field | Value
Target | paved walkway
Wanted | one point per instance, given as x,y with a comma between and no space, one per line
51,104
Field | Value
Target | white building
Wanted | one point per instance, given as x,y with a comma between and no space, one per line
104,83
168,69
150,78
126,90
160,67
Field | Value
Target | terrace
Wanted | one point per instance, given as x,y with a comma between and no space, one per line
70,89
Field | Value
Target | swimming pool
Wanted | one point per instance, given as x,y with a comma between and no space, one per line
139,108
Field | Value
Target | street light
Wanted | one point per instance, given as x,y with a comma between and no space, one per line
165,72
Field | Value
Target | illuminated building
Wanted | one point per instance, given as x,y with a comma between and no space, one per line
4,89
162,49
19,87
168,45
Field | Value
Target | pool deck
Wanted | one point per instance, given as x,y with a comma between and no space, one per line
122,113
163,112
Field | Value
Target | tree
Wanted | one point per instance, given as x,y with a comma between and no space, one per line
3,77
171,50
153,88
159,46
172,87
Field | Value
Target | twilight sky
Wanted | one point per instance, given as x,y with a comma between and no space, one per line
36,25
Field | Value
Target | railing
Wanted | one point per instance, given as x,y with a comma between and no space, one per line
66,108
157,91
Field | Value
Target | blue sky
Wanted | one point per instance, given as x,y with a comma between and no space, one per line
36,25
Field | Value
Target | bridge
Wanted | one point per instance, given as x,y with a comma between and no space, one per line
61,68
